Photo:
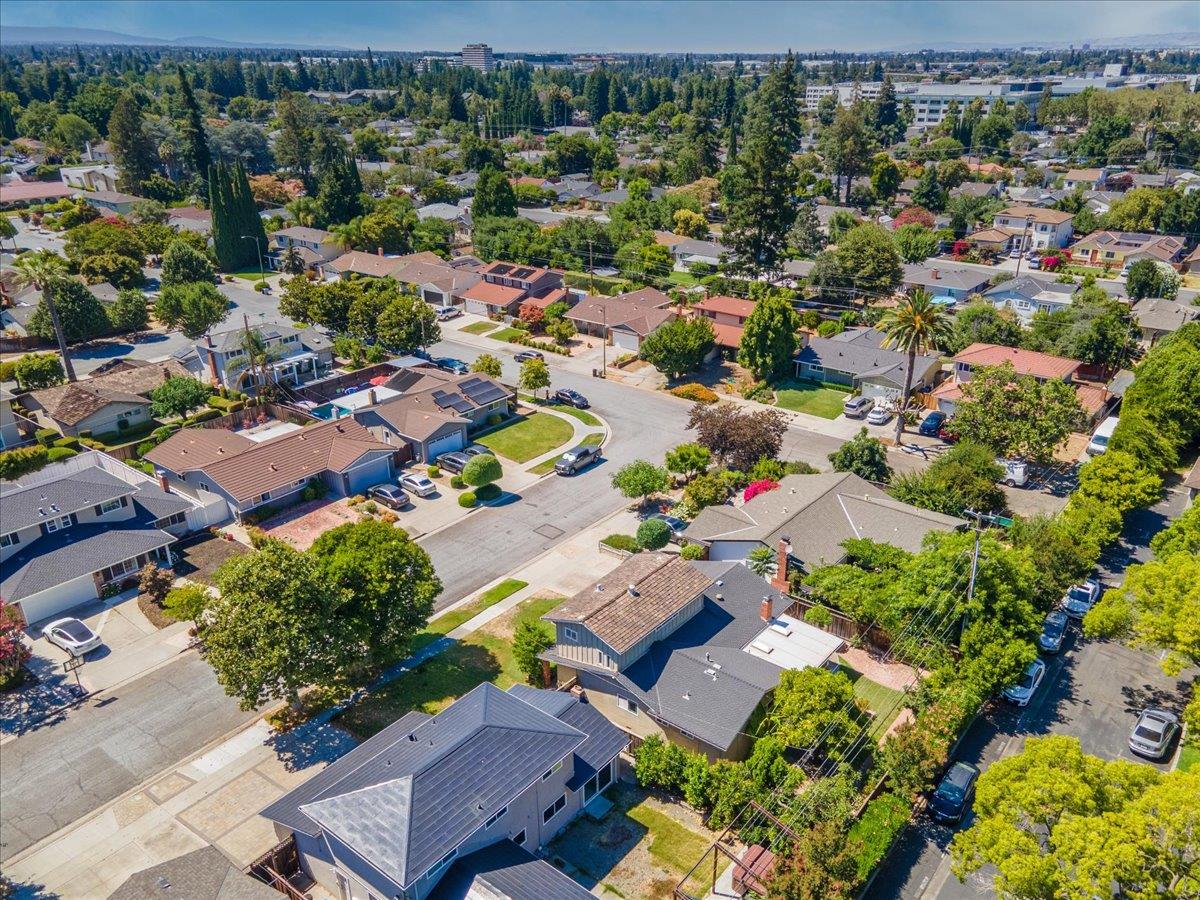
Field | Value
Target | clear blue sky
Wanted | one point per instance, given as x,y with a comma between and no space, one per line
654,25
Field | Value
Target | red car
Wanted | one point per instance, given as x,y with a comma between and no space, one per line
947,434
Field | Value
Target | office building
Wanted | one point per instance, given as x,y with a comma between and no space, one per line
478,56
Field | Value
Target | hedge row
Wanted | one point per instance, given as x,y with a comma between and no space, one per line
695,392
538,345
22,461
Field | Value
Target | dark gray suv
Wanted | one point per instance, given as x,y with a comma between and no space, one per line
578,458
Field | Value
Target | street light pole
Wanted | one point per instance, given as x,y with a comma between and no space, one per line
1021,255
262,275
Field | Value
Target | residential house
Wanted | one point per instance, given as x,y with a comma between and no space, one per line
1029,196
437,282
1191,482
976,189
454,805
947,281
1156,317
541,215
1120,249
1033,227
98,152
505,286
1028,294
856,358
207,873
687,651
1094,398
609,199
295,355
75,527
570,188
316,247
623,320
10,434
814,514
107,404
110,203
90,178
728,316
249,474
457,215
429,412
691,252
190,218
370,265
1085,179
1191,265
23,193
464,181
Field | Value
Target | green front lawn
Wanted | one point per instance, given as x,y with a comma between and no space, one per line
480,328
588,440
884,702
581,414
486,655
447,622
810,397
1189,758
251,274
528,437
507,332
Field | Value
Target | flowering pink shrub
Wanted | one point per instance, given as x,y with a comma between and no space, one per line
914,214
1050,263
960,249
754,488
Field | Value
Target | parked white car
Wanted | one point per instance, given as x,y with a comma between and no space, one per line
1016,472
879,415
418,484
72,635
1022,692
1080,598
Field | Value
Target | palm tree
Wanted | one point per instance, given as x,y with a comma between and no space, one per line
348,235
291,261
915,325
40,269
256,357
761,561
304,210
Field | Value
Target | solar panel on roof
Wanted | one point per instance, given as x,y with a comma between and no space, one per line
461,406
489,394
522,273
442,399
501,269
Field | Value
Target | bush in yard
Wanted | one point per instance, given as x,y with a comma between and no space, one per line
46,436
819,617
708,489
57,454
13,652
625,542
872,835
697,393
156,583
482,469
699,783
754,488
488,492
456,482
69,442
692,551
186,602
660,764
467,499
653,534
864,456
433,472
529,640
640,480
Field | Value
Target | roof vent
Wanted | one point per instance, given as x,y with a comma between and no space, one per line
633,590
707,656
719,583
599,587
41,512
720,598
687,696
412,736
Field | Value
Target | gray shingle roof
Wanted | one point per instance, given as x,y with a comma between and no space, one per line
204,874
505,871
71,493
956,277
857,352
420,787
1029,286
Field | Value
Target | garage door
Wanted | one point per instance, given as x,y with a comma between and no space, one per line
476,307
58,599
445,445
625,340
879,392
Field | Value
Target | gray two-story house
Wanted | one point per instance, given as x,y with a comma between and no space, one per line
454,805
294,355
315,246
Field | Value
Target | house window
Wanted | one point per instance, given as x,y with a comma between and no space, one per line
176,519
112,573
203,485
495,817
552,770
10,540
110,506
628,705
53,525
520,838
604,776
570,634
554,809
441,864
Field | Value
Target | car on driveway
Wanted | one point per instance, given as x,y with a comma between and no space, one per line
1080,598
450,364
857,407
577,458
445,313
1022,692
676,524
389,495
1016,472
418,484
477,450
72,635
880,415
571,398
1054,631
954,793
1152,735
932,424
527,355
452,462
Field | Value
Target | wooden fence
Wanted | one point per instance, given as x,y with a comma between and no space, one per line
840,625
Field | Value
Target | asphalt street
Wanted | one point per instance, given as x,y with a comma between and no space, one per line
62,771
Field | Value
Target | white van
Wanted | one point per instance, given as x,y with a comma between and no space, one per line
1099,442
1016,472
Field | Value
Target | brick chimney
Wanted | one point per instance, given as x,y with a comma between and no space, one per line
764,609
372,397
163,482
936,275
379,251
780,580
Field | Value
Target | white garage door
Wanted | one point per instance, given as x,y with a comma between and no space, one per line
444,445
625,340
476,307
58,599
879,392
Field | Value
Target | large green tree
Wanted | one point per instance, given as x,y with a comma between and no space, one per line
915,326
407,323
340,192
82,315
679,347
42,269
494,197
1016,416
863,455
191,129
769,337
868,255
132,149
182,263
237,229
847,145
192,308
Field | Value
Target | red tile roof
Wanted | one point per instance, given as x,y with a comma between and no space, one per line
21,191
730,306
493,294
1026,362
727,335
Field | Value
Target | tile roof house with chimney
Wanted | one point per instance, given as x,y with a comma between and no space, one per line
73,528
455,805
728,317
505,286
1029,294
683,650
248,474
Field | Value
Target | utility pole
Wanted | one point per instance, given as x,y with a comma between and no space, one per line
591,269
980,519
1021,254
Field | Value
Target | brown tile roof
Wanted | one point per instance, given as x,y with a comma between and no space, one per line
366,264
730,306
1037,213
1026,362
648,296
727,335
72,403
493,294
331,446
663,584
20,191
616,312
195,448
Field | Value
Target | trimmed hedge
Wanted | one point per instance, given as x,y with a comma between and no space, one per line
205,415
625,542
433,472
538,345
456,482
695,392
22,461
488,492
56,454
46,436
467,499
70,442
881,822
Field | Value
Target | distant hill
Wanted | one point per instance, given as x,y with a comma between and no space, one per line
24,34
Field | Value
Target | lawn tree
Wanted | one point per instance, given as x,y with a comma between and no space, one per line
128,313
340,190
980,322
35,371
688,460
869,254
847,146
863,455
192,308
1056,822
276,626
389,584
291,262
486,364
535,375
761,561
1147,278
192,129
178,396
811,706
237,230
967,477
680,346
885,177
1015,416
915,243
653,534
494,197
40,269
8,231
1117,479
132,149
482,469
408,322
929,192
529,640
806,237
640,480
183,264
915,326
119,271
561,330
769,338
1181,536
79,310
738,439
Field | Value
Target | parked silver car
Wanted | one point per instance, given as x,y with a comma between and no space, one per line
418,484
857,407
1022,692
1152,735
1054,631
1080,598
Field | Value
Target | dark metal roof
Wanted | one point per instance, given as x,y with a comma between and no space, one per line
604,740
505,871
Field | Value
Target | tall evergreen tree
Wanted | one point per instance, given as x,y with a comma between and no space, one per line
761,209
132,149
192,129
340,193
237,231
494,196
